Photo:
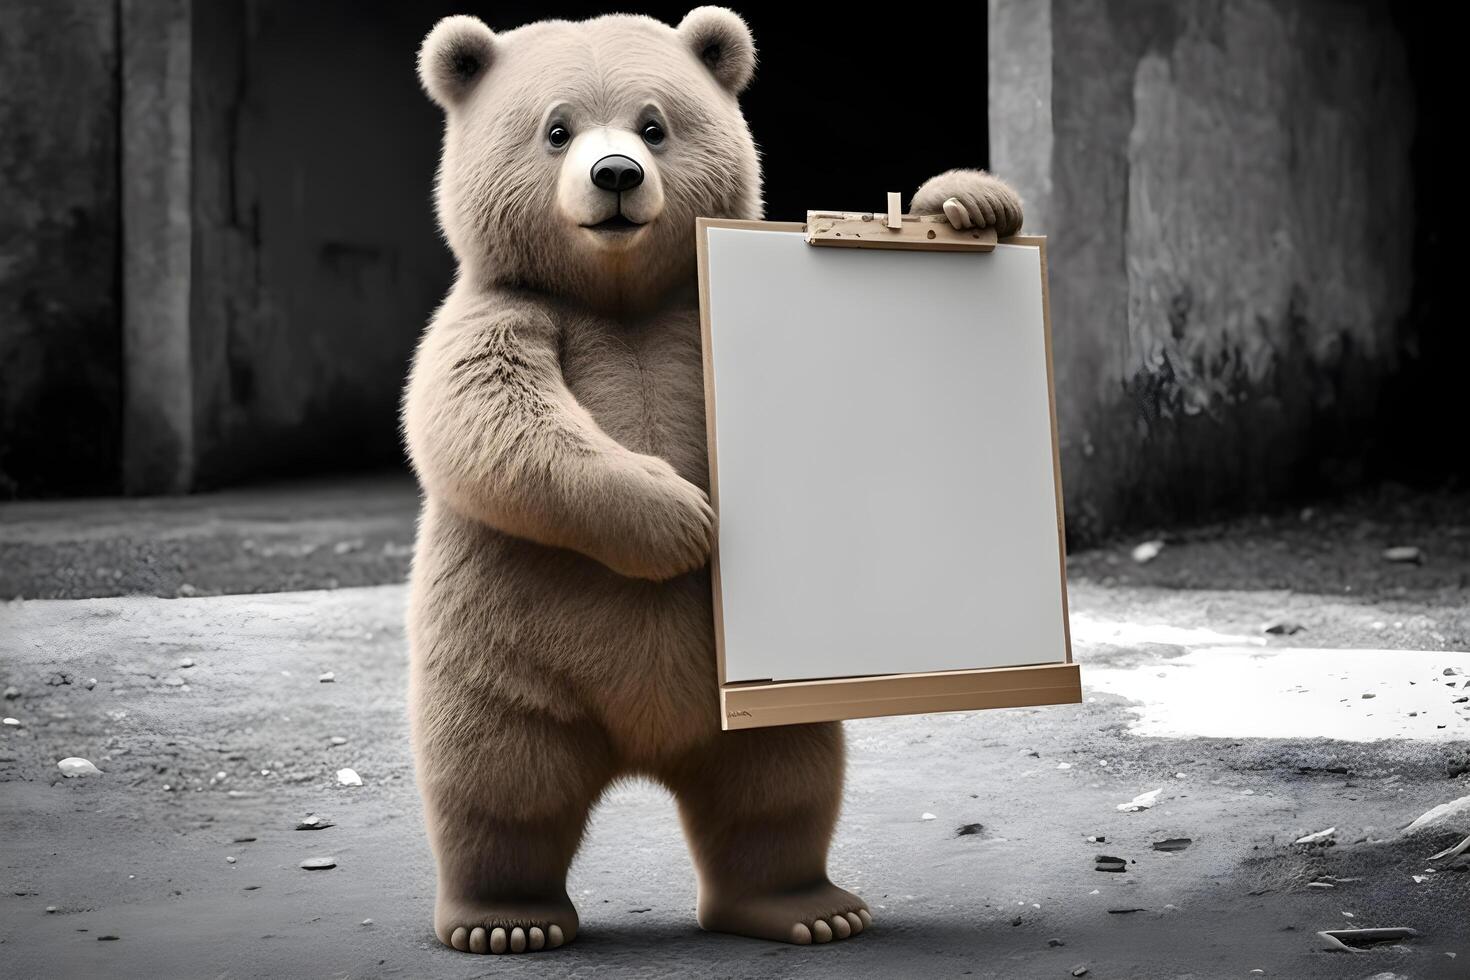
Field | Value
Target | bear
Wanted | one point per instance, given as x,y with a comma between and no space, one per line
560,616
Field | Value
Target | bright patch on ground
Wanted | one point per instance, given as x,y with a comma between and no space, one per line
1188,683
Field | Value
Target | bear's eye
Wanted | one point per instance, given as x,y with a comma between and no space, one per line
653,134
559,135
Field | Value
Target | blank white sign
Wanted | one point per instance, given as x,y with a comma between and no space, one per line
883,441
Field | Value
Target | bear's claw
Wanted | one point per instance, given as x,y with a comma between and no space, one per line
771,916
499,939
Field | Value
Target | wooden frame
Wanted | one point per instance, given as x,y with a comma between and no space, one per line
756,704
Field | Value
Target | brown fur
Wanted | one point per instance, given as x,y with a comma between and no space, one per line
560,620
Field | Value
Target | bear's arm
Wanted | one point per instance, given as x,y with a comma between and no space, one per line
495,434
989,201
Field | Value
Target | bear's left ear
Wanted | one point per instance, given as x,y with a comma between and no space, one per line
455,55
721,40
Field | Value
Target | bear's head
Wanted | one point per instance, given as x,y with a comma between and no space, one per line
577,155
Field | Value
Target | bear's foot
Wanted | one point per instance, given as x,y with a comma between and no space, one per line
510,927
818,913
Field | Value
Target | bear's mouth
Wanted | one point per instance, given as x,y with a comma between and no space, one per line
617,224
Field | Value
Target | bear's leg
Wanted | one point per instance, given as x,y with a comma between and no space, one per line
506,795
759,807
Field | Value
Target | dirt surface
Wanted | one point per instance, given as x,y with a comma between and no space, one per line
275,538
999,882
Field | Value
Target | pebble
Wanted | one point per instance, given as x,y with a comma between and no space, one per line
174,681
319,864
1147,551
1105,862
367,922
1142,801
1403,554
186,663
230,860
11,693
349,777
1079,970
1064,765
1173,844
314,822
10,721
1055,942
91,683
327,678
75,766
337,740
50,909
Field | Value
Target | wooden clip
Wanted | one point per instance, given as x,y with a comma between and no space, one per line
868,229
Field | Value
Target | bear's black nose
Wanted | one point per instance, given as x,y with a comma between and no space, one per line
617,173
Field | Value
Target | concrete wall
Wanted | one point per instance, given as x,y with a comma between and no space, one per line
1228,190
60,349
316,259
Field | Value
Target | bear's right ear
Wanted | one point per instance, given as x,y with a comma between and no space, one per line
721,39
454,57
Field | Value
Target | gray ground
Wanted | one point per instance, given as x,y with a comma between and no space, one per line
141,852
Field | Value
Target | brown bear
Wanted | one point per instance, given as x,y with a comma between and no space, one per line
560,621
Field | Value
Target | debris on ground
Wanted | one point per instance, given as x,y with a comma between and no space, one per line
1320,837
327,678
12,692
1284,627
1173,844
1454,815
1357,940
75,766
1106,862
1079,970
1147,551
349,777
1142,801
1404,554
319,864
1055,943
1450,853
314,822
968,829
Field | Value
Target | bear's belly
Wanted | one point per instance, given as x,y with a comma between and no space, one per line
643,383
555,630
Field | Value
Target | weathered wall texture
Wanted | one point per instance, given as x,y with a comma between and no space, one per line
60,349
1229,198
316,260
